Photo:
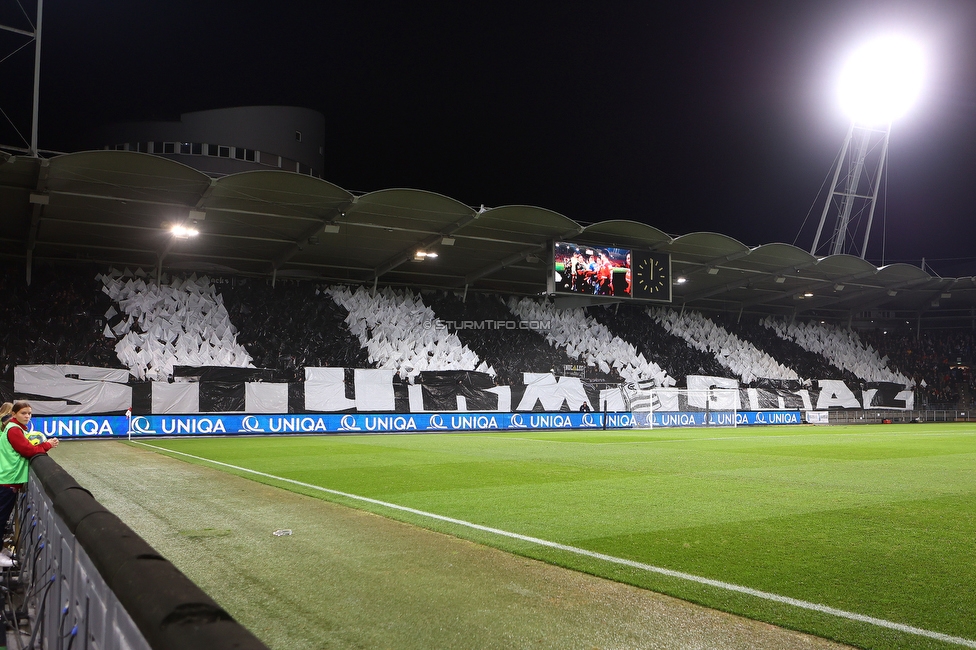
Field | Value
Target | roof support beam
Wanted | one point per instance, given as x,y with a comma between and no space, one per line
408,253
298,245
38,201
708,293
810,286
471,278
827,300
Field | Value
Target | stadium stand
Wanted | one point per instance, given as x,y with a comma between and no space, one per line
50,320
937,361
62,319
163,325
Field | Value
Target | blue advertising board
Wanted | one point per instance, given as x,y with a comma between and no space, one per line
80,426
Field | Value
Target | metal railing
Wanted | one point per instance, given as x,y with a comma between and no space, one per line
854,416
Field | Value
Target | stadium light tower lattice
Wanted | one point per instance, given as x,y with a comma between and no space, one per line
878,84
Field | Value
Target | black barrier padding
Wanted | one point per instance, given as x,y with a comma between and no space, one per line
296,397
110,544
175,614
141,397
6,391
401,397
54,479
221,396
349,382
74,504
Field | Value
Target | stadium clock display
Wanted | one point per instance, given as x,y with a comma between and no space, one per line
652,276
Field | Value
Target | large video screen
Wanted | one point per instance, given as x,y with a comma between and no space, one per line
612,272
592,270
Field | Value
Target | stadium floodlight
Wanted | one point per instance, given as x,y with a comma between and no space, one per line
882,79
183,232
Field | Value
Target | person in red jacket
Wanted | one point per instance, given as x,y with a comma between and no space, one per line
15,449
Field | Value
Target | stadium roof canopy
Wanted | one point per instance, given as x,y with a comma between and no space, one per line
116,207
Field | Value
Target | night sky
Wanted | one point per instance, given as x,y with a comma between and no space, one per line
685,116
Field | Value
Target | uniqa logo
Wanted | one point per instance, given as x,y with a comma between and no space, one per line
140,424
348,423
437,422
516,422
250,424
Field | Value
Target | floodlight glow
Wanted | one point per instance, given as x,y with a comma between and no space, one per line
882,79
182,232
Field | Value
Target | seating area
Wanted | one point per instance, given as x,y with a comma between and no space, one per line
289,327
938,361
51,320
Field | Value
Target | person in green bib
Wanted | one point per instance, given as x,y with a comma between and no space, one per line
15,449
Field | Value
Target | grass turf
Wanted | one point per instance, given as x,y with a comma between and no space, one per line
875,520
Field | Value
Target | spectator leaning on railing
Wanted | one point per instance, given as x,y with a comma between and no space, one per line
15,449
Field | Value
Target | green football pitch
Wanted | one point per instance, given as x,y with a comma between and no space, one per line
866,535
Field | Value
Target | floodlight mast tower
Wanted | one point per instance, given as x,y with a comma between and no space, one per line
879,83
854,189
35,35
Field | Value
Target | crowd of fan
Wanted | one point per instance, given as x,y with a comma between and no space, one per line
936,360
592,343
55,319
291,326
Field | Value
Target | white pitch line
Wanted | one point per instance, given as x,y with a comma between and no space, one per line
765,595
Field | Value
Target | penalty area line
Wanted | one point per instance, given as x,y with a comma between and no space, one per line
680,575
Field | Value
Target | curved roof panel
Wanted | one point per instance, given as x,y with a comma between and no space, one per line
624,233
126,175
